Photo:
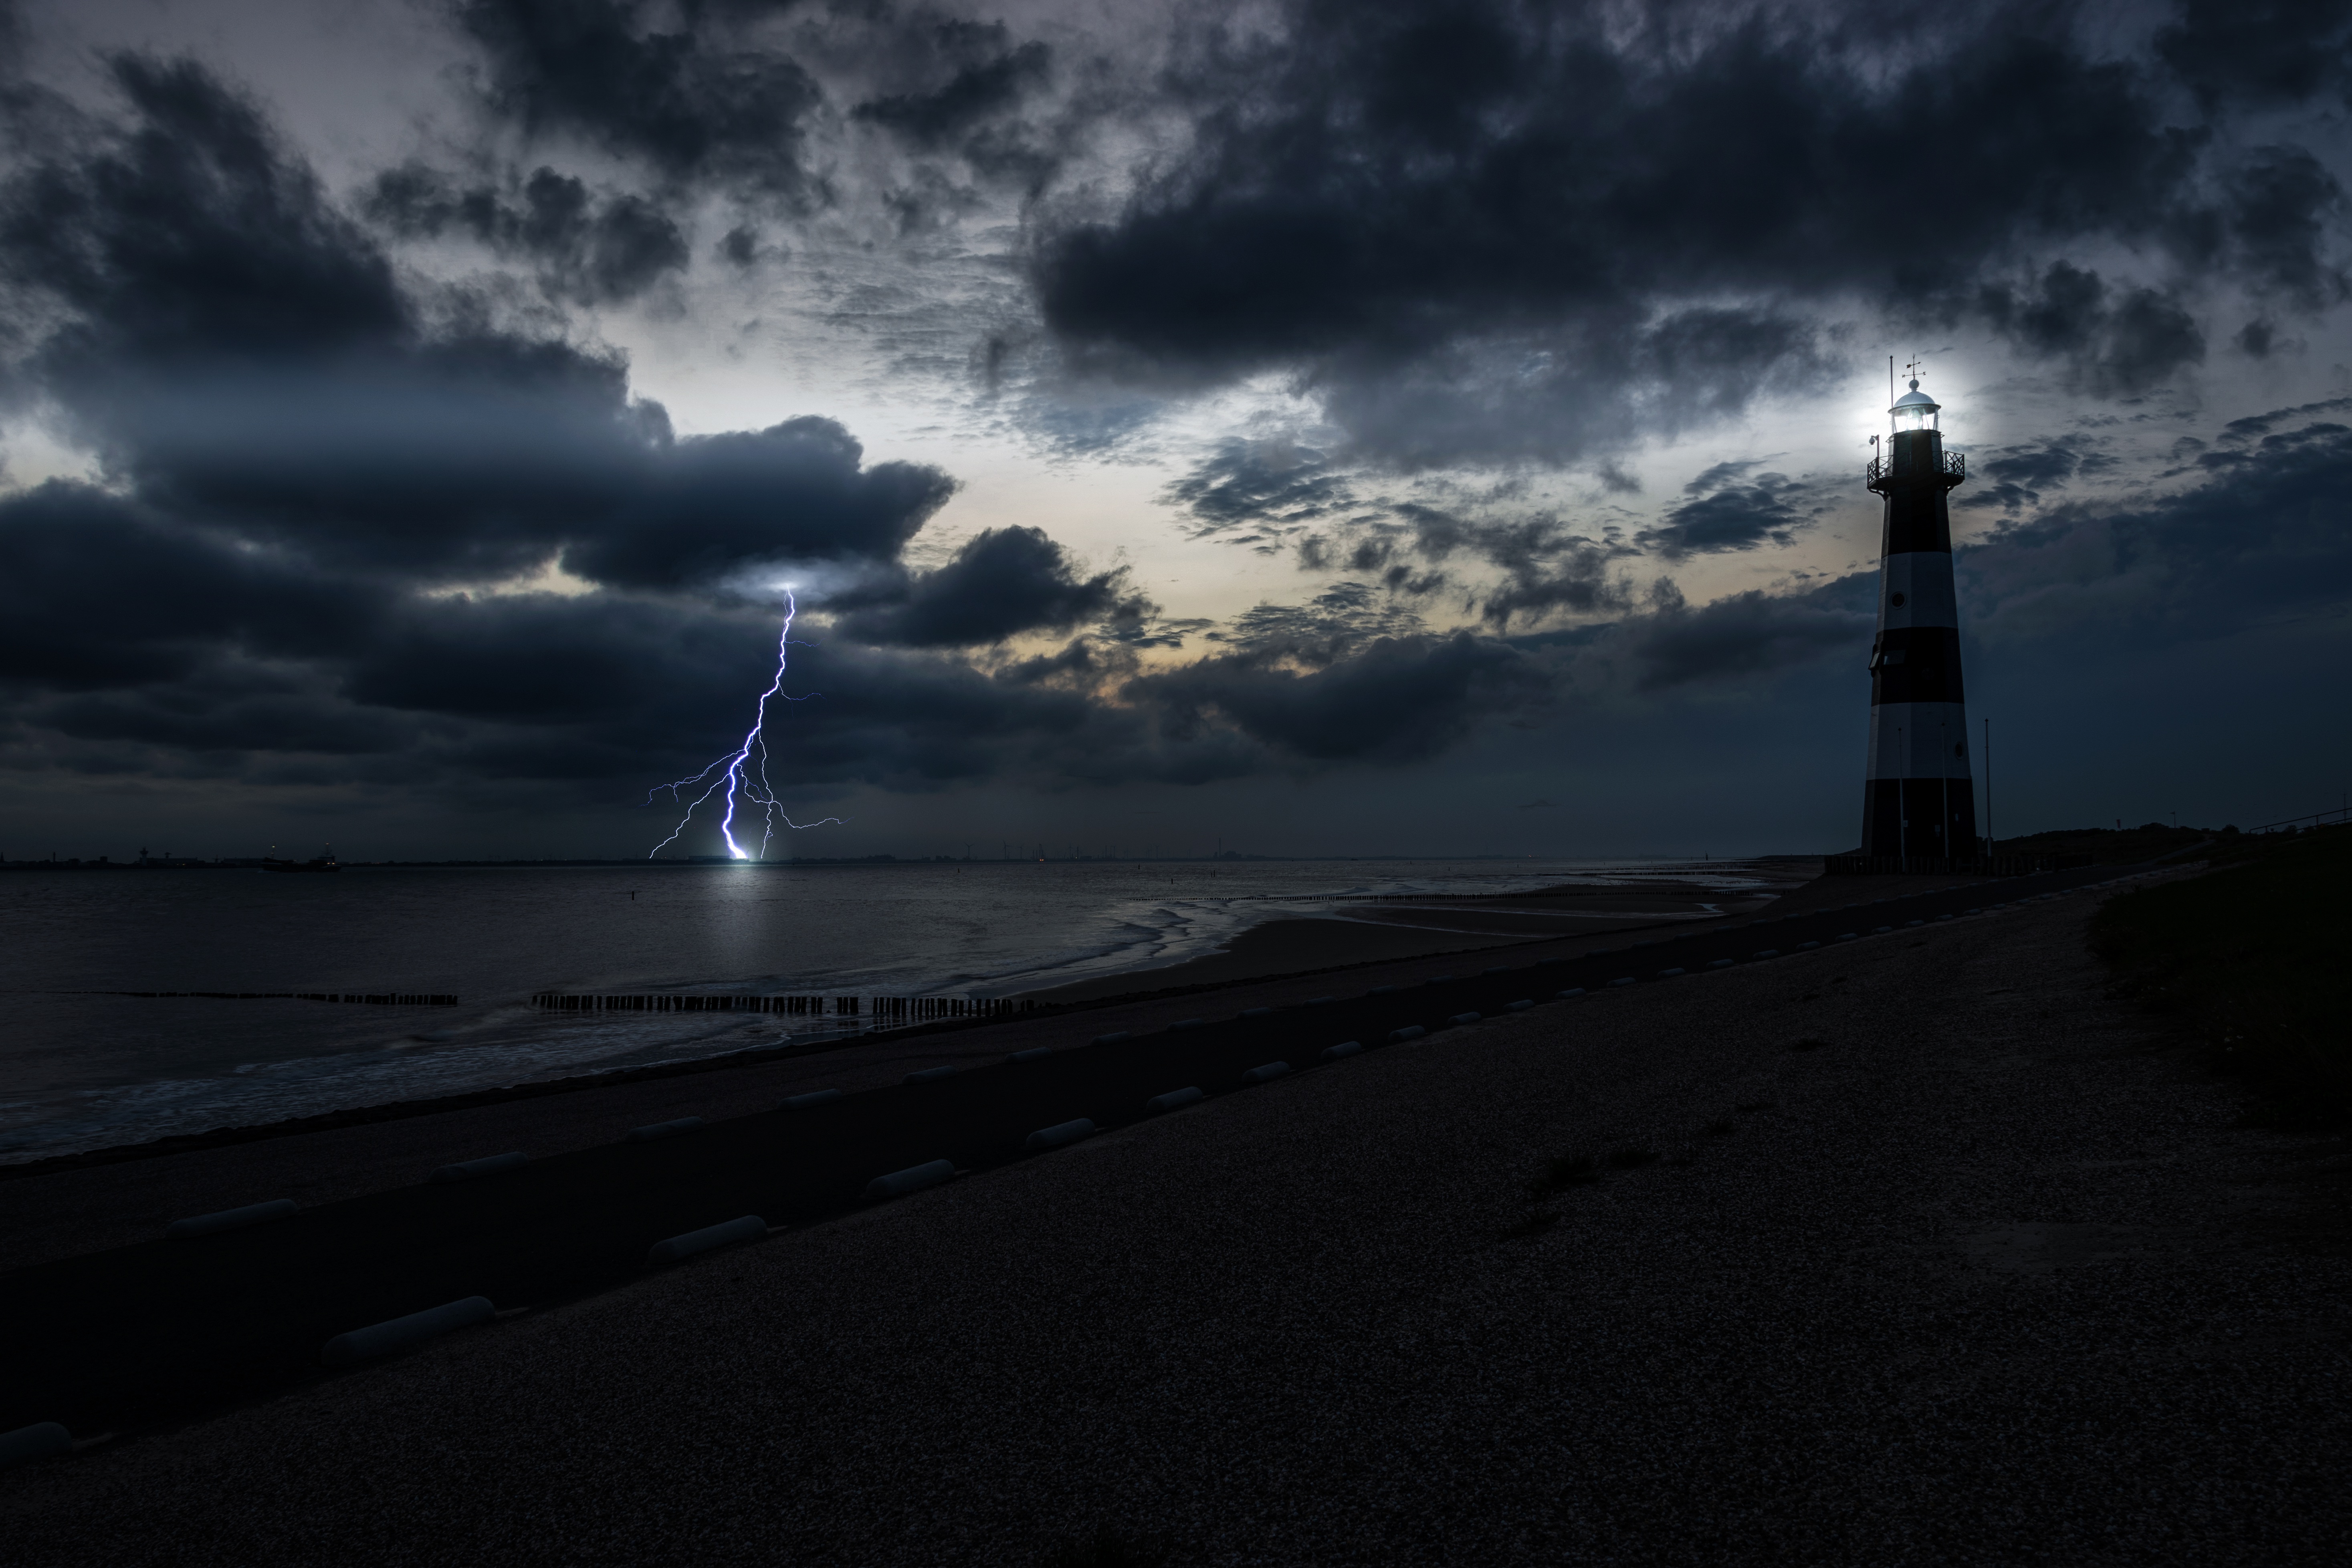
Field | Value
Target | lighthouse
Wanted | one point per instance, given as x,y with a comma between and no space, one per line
1919,804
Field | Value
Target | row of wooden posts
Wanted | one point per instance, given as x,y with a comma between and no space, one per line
913,1008
371,998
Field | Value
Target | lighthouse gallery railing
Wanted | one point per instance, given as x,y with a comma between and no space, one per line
1953,469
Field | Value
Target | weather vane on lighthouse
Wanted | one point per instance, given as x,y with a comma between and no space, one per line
1918,798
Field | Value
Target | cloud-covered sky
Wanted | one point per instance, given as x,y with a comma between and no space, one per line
1320,427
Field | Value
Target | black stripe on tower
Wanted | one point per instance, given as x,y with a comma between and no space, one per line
1915,478
1917,521
1916,664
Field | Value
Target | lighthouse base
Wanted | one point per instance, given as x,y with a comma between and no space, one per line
1919,819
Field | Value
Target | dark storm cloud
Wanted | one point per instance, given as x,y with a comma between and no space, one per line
2240,434
472,461
1571,389
972,107
1344,616
1721,514
1002,582
134,643
587,695
1486,227
718,504
200,725
582,251
239,352
2112,342
741,244
1394,699
1743,637
2266,540
187,237
1579,584
2013,478
1264,493
704,95
612,74
247,671
100,591
2281,202
304,462
2265,52
984,74
1259,483
1547,568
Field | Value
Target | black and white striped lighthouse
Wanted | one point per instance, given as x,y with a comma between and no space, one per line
1917,801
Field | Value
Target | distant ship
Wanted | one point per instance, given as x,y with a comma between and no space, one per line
323,863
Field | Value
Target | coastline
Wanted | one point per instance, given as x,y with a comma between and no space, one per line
1291,945
497,1053
209,1036
1383,929
1387,928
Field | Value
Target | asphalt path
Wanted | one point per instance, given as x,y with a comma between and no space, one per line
146,1335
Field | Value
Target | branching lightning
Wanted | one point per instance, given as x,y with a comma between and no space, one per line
740,777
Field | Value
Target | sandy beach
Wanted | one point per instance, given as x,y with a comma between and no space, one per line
1378,930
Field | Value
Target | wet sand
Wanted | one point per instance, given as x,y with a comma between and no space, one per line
1280,947
1377,930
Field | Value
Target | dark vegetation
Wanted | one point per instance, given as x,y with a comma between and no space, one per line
2253,959
2111,846
1562,1171
1110,1548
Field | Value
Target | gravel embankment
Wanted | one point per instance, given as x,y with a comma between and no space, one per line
1987,1277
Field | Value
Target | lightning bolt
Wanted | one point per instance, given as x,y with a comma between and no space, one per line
739,776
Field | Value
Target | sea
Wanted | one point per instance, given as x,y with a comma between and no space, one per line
83,1066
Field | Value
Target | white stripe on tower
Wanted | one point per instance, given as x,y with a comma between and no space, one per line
1918,741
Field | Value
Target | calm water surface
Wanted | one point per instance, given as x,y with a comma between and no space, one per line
80,1071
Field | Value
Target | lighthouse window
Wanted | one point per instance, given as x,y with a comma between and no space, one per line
1896,601
1893,655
